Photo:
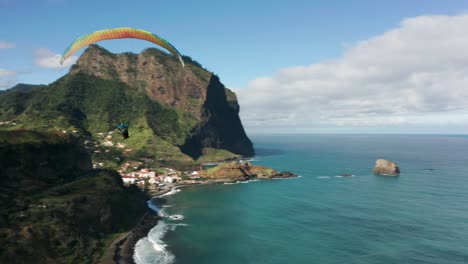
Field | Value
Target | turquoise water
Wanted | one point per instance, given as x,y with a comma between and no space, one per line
418,217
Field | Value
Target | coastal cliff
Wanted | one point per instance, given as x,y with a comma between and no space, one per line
176,114
53,207
62,199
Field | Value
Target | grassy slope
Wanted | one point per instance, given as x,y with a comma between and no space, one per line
92,105
72,223
59,212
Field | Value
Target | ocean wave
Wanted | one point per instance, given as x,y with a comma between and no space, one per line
171,192
152,249
153,206
231,183
323,177
176,217
291,178
254,180
247,181
162,213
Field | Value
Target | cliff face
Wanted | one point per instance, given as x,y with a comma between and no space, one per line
386,167
174,113
33,161
153,72
53,208
220,125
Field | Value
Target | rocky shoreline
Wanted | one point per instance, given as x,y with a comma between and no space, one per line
122,249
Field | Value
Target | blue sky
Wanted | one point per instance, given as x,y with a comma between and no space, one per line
239,40
242,41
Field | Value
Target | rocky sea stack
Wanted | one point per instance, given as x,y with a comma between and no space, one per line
386,167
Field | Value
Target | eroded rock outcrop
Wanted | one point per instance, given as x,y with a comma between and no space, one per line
386,167
243,171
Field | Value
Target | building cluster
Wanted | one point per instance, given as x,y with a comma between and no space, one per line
6,123
147,176
134,172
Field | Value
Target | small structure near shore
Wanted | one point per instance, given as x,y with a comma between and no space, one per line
386,167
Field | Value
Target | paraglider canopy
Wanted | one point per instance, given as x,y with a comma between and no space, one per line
119,33
122,126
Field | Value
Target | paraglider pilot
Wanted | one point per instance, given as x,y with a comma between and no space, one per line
123,128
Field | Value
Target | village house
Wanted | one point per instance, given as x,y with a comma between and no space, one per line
146,173
194,175
128,179
168,179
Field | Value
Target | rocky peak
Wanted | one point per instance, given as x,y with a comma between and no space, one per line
175,111
158,74
191,89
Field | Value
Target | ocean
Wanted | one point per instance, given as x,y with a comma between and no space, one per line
419,217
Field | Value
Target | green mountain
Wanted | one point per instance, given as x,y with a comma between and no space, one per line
53,207
22,87
176,115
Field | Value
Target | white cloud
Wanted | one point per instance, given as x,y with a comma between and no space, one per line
6,45
47,59
415,74
6,73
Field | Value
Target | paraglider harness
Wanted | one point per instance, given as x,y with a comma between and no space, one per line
123,128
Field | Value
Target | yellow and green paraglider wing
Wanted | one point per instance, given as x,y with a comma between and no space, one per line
118,33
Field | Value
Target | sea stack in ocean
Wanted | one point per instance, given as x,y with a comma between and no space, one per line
386,167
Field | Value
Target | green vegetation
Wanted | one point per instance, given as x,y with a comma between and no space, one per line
174,130
92,105
212,154
53,208
71,223
22,87
31,137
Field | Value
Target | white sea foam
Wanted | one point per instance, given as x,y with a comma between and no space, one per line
171,192
237,182
176,217
162,213
323,177
152,206
231,183
291,178
152,249
254,180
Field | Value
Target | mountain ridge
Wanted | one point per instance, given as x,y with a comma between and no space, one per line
175,113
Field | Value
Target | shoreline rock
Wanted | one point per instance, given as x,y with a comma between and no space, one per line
242,171
121,251
386,168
